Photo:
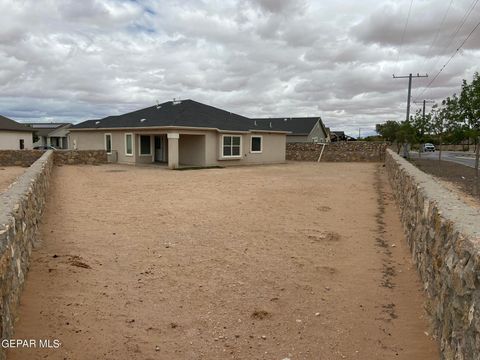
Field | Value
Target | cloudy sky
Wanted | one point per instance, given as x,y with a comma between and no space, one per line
71,60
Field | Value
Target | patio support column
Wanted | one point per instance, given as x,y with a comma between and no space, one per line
173,150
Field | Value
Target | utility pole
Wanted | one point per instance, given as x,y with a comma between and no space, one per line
423,111
423,120
477,161
409,76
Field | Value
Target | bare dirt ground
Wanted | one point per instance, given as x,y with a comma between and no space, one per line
458,178
8,175
297,261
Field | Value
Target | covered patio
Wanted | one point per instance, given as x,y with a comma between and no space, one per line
172,148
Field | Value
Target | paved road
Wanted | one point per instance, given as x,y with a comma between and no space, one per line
454,156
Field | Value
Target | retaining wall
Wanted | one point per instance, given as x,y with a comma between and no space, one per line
351,151
19,157
61,157
21,208
77,157
444,238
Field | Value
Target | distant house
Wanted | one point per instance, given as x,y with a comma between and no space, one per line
301,129
14,136
340,136
182,133
51,134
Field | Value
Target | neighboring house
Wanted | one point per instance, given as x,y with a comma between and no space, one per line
51,134
181,133
14,136
301,129
340,136
328,133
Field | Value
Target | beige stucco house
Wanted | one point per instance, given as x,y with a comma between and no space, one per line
181,133
51,134
14,136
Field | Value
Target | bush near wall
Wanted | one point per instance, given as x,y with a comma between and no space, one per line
444,238
21,208
351,151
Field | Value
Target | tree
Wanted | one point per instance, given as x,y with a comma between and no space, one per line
405,135
438,124
422,128
469,102
388,130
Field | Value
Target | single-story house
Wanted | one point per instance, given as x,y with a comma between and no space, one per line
14,136
300,129
182,133
51,134
340,136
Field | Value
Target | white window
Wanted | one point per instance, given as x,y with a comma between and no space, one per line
108,143
256,144
145,145
231,146
129,144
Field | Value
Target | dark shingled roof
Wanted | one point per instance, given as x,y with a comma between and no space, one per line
184,113
297,125
10,125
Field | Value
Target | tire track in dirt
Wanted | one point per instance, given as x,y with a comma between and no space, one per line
388,271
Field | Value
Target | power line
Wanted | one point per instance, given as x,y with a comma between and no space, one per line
435,40
452,37
451,57
459,27
404,32
438,30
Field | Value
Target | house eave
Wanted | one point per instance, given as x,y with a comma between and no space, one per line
18,130
143,128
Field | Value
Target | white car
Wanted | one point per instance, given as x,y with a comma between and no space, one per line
428,147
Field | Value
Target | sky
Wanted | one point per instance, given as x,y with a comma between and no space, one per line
71,60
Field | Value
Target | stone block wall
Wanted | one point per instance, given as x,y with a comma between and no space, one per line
19,157
444,237
352,151
77,157
21,208
61,157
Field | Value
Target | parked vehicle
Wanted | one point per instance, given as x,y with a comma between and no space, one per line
45,147
427,147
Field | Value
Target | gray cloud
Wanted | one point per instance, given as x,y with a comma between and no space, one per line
76,60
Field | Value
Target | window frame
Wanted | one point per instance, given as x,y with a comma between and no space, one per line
222,146
261,144
21,144
133,144
111,143
140,145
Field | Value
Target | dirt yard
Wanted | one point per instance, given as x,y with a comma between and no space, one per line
296,261
457,177
8,175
